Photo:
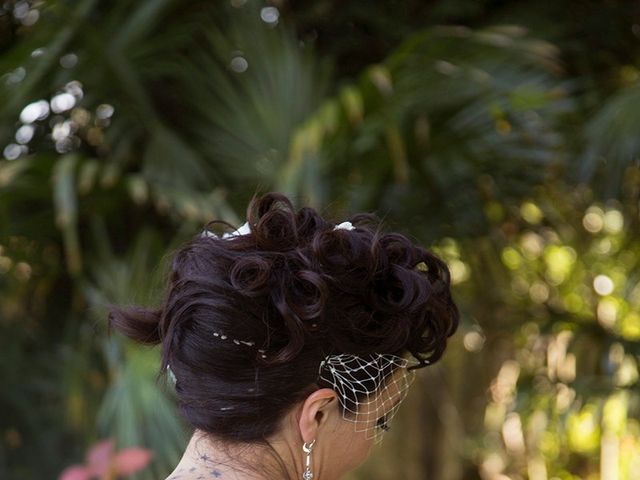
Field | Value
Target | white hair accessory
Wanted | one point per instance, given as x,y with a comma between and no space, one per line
172,377
370,388
344,225
245,229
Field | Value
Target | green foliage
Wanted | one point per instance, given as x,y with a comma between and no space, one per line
450,109
507,144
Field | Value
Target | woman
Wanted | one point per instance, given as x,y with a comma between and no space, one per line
293,340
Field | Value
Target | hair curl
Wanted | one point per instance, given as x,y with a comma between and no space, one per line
297,289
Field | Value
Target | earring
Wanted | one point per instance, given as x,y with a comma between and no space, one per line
307,474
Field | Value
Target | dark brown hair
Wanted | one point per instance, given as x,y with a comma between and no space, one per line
293,290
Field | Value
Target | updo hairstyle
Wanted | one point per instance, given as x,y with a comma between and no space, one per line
284,296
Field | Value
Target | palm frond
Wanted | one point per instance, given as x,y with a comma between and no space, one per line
448,107
611,143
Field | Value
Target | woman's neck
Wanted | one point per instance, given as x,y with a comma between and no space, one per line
205,459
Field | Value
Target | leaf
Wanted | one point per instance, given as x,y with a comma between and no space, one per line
65,200
130,460
611,142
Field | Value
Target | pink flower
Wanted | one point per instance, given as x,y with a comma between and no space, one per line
103,463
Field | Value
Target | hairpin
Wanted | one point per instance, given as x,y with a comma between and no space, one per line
237,342
248,343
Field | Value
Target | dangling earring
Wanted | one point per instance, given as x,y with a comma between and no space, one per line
307,474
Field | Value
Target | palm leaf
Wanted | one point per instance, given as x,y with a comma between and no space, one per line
611,143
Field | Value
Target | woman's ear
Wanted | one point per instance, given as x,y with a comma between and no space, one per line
314,412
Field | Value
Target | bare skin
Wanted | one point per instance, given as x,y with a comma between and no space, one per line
338,447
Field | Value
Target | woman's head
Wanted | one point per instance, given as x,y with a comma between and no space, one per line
250,323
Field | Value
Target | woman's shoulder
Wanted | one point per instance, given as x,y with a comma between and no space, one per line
196,473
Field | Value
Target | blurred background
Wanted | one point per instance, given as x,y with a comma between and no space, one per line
504,135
